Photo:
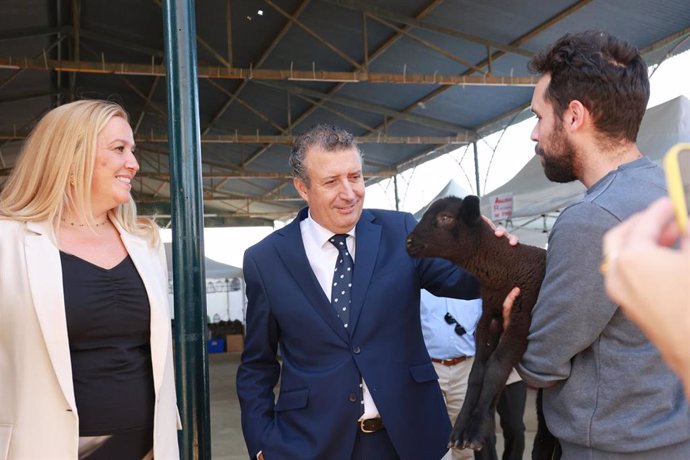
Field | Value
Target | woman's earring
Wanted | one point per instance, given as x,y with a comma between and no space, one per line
72,180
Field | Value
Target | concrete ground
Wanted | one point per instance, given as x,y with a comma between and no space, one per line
227,442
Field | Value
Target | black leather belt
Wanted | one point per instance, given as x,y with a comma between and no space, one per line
370,425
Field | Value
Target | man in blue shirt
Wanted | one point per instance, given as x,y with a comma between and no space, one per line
448,326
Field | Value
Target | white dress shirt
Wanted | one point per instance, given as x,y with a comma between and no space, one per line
322,256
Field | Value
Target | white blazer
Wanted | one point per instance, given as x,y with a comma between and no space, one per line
38,415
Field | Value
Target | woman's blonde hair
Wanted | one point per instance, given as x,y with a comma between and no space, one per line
54,170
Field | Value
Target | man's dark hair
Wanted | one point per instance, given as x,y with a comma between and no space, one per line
329,137
605,73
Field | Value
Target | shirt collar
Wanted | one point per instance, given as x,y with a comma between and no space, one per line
320,233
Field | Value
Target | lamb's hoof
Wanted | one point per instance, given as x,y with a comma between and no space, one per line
460,440
455,440
477,433
476,445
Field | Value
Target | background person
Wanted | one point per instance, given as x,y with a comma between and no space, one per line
607,394
354,384
86,364
651,281
448,326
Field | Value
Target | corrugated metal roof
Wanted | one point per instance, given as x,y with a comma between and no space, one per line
288,59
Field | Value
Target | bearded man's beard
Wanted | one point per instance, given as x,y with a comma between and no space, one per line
559,160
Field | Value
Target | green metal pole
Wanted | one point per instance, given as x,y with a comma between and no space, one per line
187,219
476,166
395,189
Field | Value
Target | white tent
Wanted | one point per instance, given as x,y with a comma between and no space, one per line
214,269
452,188
225,298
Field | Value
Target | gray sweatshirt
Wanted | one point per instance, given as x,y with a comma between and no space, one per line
607,390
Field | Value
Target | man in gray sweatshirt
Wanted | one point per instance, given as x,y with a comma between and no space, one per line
608,393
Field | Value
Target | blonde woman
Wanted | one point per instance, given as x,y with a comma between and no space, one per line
86,365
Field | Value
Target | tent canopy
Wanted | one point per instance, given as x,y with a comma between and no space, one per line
452,188
412,79
214,269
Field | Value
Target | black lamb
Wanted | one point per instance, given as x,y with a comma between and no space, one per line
453,229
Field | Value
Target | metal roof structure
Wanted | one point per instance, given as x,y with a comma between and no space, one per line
412,79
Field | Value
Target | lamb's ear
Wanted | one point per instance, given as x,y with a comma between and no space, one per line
470,210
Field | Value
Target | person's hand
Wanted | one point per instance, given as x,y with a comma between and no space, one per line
501,232
508,305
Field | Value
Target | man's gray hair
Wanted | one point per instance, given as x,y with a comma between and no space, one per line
329,137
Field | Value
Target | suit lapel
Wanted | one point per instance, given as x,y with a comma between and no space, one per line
294,257
45,280
368,236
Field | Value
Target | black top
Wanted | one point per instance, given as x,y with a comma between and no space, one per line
108,323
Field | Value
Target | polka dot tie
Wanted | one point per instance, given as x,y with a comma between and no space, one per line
342,279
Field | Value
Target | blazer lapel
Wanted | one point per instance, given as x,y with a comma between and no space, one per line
45,280
368,236
153,274
294,257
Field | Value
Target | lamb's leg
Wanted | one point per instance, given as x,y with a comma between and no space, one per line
510,348
486,338
480,429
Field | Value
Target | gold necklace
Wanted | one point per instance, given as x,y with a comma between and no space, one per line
72,224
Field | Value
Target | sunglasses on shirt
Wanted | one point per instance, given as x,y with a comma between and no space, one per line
458,328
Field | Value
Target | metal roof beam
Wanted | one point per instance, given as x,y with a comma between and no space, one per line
491,125
148,102
256,112
318,37
165,176
375,108
32,32
426,10
340,114
228,63
680,36
522,39
368,58
286,139
536,31
259,63
398,35
152,70
429,45
359,5
125,44
27,96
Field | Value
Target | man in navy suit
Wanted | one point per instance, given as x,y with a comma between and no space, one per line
360,386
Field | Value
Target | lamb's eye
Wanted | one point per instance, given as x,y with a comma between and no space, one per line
443,219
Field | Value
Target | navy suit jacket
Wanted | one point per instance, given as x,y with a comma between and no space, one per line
319,401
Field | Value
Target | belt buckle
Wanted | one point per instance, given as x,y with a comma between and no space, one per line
361,426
